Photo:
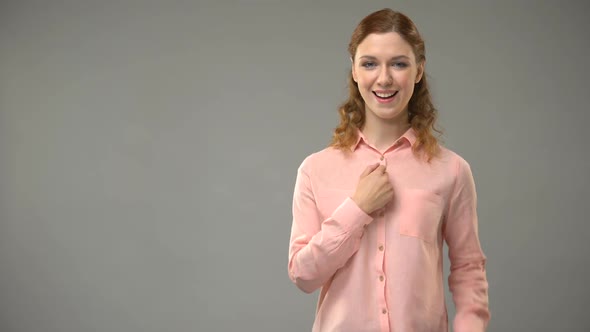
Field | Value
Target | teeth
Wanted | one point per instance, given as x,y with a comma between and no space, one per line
383,95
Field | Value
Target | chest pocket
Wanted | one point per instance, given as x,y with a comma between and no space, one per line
420,213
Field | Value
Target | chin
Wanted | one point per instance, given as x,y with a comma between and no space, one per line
389,114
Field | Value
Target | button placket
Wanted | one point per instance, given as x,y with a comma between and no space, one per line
380,283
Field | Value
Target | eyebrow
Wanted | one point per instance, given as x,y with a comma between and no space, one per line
397,57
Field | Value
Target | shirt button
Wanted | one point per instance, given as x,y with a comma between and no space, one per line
381,158
384,311
381,214
381,278
380,248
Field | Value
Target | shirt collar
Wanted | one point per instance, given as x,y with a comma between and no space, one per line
409,135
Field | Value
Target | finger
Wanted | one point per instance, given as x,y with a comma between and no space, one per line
389,190
381,169
369,169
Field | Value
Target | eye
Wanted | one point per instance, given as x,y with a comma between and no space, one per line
399,64
369,64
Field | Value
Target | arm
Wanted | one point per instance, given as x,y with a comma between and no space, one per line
319,248
467,280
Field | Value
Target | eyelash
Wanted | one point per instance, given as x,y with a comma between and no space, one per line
371,65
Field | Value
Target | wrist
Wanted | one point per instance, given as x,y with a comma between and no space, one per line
360,204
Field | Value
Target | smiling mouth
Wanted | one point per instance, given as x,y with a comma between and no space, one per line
385,96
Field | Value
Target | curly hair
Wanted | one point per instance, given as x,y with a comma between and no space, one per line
422,114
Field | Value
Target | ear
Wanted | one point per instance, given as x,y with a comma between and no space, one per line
420,72
353,70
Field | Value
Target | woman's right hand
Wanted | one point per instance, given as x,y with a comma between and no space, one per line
373,190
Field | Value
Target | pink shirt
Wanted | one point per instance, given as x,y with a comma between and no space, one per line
383,272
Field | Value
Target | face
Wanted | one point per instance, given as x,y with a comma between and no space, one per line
385,70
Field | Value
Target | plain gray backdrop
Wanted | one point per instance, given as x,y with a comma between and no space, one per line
148,152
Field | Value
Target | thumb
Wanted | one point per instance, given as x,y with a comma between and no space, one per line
369,169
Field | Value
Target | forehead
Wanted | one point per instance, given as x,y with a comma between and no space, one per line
384,45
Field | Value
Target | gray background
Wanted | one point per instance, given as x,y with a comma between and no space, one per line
148,152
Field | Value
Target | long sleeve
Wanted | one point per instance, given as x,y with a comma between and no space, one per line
467,280
318,248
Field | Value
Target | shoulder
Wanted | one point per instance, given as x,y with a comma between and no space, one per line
450,157
456,165
321,159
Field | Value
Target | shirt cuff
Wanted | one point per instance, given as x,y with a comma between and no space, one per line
351,216
469,324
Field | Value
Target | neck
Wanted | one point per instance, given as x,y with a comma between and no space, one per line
382,133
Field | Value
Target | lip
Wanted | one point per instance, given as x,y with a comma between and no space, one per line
385,100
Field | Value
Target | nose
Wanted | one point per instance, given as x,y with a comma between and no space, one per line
385,77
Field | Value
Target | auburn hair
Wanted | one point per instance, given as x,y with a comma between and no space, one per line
421,111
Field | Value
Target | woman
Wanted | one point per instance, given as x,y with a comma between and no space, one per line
371,211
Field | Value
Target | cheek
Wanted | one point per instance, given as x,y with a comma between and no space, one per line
365,79
405,80
408,78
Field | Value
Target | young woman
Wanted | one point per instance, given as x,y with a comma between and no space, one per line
371,211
